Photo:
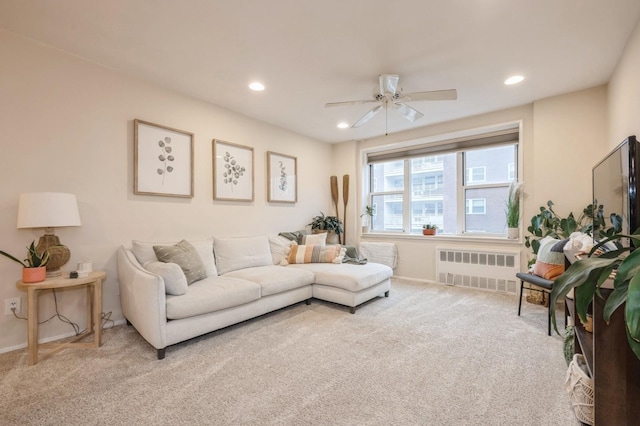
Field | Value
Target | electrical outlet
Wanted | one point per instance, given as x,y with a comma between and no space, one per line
13,303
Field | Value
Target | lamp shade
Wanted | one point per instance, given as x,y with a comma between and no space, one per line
48,210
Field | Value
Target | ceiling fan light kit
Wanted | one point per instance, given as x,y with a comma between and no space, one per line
390,96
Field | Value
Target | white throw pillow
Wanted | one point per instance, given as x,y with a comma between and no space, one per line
279,248
239,253
143,251
175,282
319,239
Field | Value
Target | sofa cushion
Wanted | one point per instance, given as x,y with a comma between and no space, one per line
314,254
347,276
550,258
239,253
210,295
274,279
185,256
175,282
144,252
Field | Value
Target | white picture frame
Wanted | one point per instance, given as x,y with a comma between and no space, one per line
282,178
233,175
163,160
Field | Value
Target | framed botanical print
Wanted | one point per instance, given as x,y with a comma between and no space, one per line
163,160
282,174
232,171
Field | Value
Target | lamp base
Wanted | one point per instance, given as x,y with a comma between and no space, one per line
59,255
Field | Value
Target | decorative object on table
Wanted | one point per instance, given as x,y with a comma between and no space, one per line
84,268
330,224
34,265
232,171
282,177
345,197
367,217
334,193
429,229
513,210
49,210
588,275
163,160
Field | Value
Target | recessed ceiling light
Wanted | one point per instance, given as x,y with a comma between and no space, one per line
514,80
257,86
343,125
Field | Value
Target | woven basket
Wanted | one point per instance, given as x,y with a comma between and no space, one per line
580,388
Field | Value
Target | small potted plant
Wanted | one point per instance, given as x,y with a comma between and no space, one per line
34,265
330,224
429,229
513,210
367,217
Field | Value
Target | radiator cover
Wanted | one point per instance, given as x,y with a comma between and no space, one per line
491,270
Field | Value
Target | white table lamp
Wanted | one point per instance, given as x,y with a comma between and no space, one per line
49,210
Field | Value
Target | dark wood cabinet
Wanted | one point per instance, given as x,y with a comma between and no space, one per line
612,364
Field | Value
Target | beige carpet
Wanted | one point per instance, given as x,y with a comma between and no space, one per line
427,355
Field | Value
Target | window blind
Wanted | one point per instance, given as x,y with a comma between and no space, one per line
502,137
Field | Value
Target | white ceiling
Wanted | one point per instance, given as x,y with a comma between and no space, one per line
310,52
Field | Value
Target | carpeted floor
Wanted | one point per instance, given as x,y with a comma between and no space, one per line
427,355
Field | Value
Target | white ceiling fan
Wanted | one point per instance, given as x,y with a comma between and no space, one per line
390,96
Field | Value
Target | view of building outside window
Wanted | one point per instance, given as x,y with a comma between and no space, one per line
434,188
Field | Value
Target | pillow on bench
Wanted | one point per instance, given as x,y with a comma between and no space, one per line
314,254
550,260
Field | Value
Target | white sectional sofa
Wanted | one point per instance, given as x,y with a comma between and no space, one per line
178,291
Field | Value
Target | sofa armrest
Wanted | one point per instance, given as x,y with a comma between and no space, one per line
143,299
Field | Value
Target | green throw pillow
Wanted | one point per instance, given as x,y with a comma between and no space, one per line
184,255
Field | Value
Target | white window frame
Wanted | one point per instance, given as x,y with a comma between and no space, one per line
412,147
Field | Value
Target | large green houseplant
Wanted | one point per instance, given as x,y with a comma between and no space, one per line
586,277
547,223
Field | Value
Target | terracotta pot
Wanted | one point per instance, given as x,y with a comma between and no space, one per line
34,275
429,231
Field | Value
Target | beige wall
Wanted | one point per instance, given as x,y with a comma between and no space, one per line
624,94
569,132
67,126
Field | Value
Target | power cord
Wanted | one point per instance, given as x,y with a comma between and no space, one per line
105,317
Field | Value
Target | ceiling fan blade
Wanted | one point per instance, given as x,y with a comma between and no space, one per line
434,95
407,112
368,116
388,83
334,104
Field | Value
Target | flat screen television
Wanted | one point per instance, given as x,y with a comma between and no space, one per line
615,180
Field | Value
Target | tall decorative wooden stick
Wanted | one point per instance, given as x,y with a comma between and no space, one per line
334,196
345,197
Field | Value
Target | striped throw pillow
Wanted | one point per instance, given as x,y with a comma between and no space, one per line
314,254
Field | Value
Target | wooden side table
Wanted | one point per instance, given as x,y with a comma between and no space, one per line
93,282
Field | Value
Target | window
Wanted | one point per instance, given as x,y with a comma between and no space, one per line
476,206
476,174
426,184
